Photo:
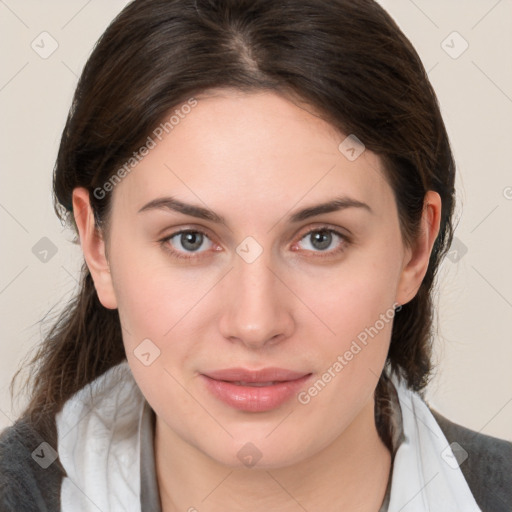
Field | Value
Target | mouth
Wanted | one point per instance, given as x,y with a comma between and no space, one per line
255,384
254,390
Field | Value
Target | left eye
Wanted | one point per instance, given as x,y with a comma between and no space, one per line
321,239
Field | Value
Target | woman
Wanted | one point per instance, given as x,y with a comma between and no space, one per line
263,192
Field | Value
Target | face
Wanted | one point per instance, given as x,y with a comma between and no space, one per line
249,276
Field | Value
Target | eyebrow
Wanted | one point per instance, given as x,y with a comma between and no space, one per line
172,204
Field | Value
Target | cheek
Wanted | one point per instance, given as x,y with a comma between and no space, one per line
162,304
146,296
153,306
354,295
350,361
140,304
356,307
147,302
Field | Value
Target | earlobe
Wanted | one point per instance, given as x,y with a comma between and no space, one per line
416,258
93,248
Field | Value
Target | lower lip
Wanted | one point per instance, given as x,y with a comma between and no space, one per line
252,398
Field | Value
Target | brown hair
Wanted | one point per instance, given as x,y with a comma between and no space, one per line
346,58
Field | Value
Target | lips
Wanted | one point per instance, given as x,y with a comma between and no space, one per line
255,376
254,390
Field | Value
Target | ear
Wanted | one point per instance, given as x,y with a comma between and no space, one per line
93,247
417,257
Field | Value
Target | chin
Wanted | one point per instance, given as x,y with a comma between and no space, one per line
257,454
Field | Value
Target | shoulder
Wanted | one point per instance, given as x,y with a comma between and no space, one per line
487,467
30,473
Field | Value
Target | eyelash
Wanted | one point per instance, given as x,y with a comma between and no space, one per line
319,254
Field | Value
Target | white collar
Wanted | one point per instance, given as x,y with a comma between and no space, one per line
426,476
99,447
99,444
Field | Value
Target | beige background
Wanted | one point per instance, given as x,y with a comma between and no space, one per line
473,384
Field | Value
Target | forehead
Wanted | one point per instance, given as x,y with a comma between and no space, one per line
257,149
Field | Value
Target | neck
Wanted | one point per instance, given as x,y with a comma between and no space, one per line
351,473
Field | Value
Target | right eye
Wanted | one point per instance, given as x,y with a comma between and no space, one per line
190,240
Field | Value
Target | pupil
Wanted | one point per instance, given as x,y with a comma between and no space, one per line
191,241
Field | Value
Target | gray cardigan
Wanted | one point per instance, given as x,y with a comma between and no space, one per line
26,487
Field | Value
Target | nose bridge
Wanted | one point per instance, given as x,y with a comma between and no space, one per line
257,283
257,311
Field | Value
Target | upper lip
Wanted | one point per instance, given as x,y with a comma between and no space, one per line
263,375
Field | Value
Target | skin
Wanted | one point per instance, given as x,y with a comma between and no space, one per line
255,159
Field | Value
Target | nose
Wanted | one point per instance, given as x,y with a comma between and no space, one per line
257,305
